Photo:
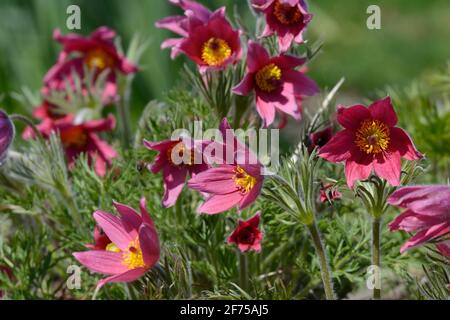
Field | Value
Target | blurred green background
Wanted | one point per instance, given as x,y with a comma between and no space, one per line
414,38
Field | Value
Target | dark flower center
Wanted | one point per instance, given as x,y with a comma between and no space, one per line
286,14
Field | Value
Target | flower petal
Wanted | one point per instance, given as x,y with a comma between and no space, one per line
401,141
426,235
384,111
101,261
114,229
351,117
245,86
266,110
217,180
357,167
174,179
149,242
389,166
127,276
221,202
131,219
257,56
340,146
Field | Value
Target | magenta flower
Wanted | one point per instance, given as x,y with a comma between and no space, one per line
101,240
370,141
427,214
194,13
285,18
212,45
134,248
6,134
247,235
176,159
276,83
232,183
96,51
81,138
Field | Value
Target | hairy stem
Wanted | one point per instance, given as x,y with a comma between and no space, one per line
323,262
243,271
376,260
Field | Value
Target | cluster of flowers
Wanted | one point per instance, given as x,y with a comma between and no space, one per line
126,246
79,57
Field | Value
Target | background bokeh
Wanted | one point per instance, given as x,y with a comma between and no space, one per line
413,39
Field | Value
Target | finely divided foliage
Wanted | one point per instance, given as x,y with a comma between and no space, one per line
211,223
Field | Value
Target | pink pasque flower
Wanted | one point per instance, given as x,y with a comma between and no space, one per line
97,51
212,45
134,246
194,13
427,214
276,83
370,141
285,18
247,235
236,181
81,138
176,159
101,240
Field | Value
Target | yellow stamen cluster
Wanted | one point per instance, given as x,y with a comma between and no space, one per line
99,59
179,151
74,137
215,51
373,137
267,78
244,182
286,14
132,257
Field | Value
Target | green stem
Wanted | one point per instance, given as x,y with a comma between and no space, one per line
27,122
243,271
324,267
124,113
376,260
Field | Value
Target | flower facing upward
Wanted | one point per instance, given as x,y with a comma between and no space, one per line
427,214
247,235
81,138
237,183
287,18
97,52
6,134
194,13
176,159
212,45
134,246
276,83
370,140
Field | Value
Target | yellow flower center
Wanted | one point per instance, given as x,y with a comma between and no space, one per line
178,155
286,14
244,182
372,137
74,137
215,51
268,77
132,257
112,247
99,59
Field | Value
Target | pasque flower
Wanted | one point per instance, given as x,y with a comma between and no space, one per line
6,134
276,83
101,240
97,51
176,159
213,44
370,141
231,183
247,235
194,13
134,246
285,18
427,215
81,138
